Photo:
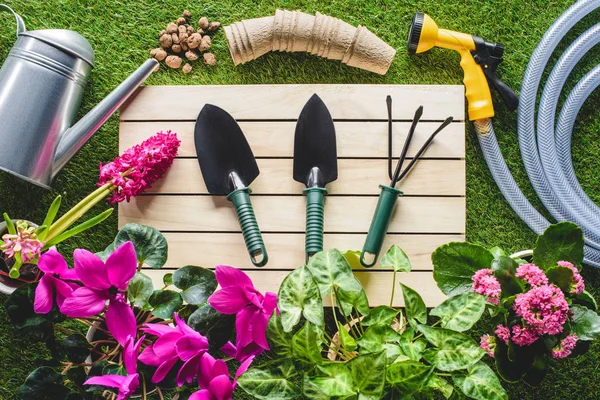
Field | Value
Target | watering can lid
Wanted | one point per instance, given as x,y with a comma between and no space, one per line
66,40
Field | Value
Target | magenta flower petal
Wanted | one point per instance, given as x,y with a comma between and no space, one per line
270,303
52,262
203,394
188,370
129,386
42,303
243,326
148,357
69,274
229,300
120,320
83,302
259,330
63,290
91,270
248,351
230,276
182,326
114,381
221,388
164,346
243,368
205,370
121,265
130,354
164,369
229,349
158,329
220,368
188,346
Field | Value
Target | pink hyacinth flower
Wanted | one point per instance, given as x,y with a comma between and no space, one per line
173,344
55,270
104,282
127,384
253,310
543,308
565,347
578,286
485,283
532,274
214,381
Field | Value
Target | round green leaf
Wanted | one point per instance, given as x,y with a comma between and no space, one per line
497,252
75,347
306,345
585,299
333,380
274,380
165,303
414,304
460,312
42,384
504,270
150,245
280,341
559,242
586,323
561,277
538,370
330,268
452,351
408,377
368,374
396,259
455,263
196,283
140,289
299,295
512,368
480,383
380,315
168,279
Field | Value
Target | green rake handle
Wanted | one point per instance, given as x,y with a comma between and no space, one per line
315,205
379,224
247,220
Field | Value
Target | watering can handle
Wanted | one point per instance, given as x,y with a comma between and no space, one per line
20,23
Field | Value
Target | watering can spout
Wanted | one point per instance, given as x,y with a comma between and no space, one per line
76,136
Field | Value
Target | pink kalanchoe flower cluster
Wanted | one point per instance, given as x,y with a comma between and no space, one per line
543,308
488,343
486,284
140,166
24,242
532,274
524,336
565,347
578,286
503,333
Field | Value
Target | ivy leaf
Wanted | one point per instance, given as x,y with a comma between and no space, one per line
333,379
306,345
396,259
441,385
298,296
75,347
455,263
150,245
140,289
217,327
280,341
330,268
480,383
453,350
415,306
196,283
586,323
559,242
561,277
165,303
504,270
368,374
460,312
408,377
347,341
43,383
274,380
380,315
347,300
375,336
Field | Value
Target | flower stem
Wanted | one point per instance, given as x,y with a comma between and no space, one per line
333,309
393,288
160,395
63,330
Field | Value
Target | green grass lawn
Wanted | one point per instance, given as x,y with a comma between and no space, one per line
122,31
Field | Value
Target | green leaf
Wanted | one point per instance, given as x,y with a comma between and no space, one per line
453,350
50,216
311,391
274,380
84,226
42,384
306,345
394,353
368,374
375,336
347,341
415,306
460,312
408,376
217,327
504,270
522,358
168,279
412,349
280,341
480,383
561,277
10,226
538,370
150,245
380,315
559,242
353,258
165,303
497,252
455,263
75,347
330,268
196,283
585,299
347,300
397,259
438,383
334,379
140,289
586,323
298,296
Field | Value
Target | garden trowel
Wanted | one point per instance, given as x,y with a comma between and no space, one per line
315,165
228,167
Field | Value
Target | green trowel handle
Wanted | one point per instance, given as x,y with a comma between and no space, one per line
247,220
379,224
315,204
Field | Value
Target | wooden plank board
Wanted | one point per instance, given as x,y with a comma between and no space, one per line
284,102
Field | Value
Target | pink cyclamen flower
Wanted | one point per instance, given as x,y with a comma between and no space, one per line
24,242
127,384
139,166
55,269
104,282
578,286
253,310
503,333
532,274
524,336
173,344
214,381
488,343
565,347
486,284
543,308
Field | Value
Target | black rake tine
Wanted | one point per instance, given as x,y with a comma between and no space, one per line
411,132
424,147
388,101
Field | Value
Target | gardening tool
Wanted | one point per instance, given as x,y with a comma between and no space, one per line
315,165
389,194
478,58
228,167
41,87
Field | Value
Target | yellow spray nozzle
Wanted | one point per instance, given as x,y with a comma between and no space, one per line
478,59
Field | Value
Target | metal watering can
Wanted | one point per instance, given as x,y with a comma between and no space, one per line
41,87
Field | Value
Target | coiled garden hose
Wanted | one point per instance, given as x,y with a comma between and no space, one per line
546,148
